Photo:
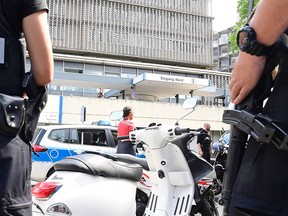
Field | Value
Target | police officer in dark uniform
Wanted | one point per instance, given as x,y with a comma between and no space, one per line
261,187
18,17
204,143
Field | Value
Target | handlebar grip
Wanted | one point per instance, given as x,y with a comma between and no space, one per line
179,131
123,137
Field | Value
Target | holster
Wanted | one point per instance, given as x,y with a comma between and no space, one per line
37,99
18,113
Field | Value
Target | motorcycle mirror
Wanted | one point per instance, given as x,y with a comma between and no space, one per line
190,103
116,115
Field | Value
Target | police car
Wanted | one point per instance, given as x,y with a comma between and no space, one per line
55,142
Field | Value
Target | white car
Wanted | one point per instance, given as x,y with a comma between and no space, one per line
55,142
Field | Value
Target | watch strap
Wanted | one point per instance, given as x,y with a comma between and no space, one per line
259,49
255,48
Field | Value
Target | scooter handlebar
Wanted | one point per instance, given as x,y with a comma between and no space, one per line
179,131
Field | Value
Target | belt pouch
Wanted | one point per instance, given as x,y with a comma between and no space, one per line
12,114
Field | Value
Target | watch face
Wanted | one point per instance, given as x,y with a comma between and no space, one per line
245,38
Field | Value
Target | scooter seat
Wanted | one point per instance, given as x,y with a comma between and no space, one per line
99,166
127,158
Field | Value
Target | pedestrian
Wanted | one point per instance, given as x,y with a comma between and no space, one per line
261,185
124,127
204,143
100,93
18,17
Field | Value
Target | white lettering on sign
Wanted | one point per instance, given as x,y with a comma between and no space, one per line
172,79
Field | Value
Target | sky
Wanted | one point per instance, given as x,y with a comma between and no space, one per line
225,13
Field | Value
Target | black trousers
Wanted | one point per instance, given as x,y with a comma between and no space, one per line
15,180
207,155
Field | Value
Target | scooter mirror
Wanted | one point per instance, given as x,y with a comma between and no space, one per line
190,103
116,115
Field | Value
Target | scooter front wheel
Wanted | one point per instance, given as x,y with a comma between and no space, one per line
204,209
213,207
140,208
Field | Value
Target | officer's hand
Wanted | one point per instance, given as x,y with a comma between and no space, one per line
245,75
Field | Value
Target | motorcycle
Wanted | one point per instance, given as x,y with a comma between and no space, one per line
220,149
222,143
88,184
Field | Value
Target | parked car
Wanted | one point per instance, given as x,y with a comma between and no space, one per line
55,142
102,123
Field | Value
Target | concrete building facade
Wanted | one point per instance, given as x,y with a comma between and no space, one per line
171,31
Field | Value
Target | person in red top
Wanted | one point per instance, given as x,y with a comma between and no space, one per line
124,127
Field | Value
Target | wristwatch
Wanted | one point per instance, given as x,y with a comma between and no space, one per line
247,42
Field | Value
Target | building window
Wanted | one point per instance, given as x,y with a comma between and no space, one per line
224,50
58,66
94,69
112,71
162,72
73,67
141,71
223,39
129,72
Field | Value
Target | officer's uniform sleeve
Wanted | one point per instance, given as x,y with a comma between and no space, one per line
32,6
199,138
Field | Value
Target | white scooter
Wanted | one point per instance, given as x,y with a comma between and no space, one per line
90,184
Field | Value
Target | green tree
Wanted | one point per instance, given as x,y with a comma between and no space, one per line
242,10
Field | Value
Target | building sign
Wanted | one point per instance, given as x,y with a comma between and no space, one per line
171,79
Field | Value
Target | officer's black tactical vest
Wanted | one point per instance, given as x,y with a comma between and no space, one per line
12,67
